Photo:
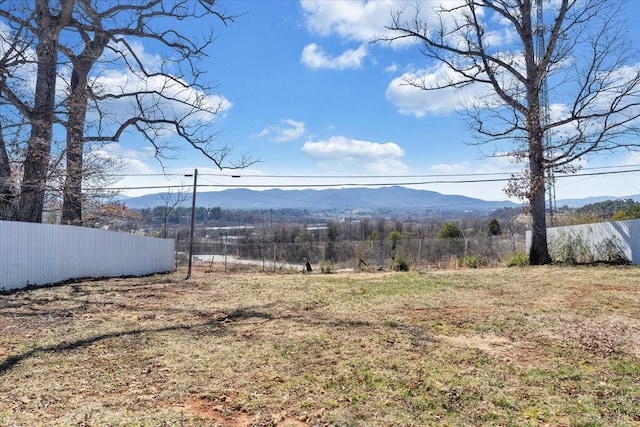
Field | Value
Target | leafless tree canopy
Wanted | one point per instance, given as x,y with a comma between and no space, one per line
588,63
82,42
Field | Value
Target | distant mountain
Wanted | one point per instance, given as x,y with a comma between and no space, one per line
391,198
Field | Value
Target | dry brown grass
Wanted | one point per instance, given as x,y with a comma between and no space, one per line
524,346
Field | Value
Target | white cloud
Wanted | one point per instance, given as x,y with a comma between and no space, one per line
152,62
162,98
351,20
391,68
362,20
131,161
372,156
315,57
410,99
499,164
288,131
23,76
451,168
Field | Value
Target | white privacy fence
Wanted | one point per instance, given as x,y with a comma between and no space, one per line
37,254
602,241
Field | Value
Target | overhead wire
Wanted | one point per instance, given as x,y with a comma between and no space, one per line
240,175
360,184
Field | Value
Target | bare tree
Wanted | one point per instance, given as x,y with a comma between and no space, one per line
588,63
15,49
113,216
169,98
39,23
19,63
94,36
99,172
7,191
12,53
170,201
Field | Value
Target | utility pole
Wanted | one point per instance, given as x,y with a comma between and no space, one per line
193,220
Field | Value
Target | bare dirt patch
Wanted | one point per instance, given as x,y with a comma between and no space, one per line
522,354
218,412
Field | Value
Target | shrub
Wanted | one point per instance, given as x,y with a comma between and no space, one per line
570,249
575,249
327,267
493,228
471,261
454,263
450,230
518,260
609,251
400,263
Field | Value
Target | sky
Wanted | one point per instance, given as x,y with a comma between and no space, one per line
315,103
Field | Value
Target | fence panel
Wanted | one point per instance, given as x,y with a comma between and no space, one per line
595,242
37,254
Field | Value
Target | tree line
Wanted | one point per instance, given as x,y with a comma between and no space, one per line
366,243
379,242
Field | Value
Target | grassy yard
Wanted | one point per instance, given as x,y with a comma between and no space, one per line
519,347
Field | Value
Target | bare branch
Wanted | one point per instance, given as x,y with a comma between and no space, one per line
591,69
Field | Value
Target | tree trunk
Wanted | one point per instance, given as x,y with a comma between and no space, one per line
538,252
72,192
77,107
36,163
37,157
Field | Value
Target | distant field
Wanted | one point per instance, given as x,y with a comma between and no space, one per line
516,347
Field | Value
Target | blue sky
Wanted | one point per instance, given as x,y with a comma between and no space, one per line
309,96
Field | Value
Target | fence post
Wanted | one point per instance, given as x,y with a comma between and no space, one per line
224,251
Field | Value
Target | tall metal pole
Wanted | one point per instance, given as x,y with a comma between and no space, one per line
544,111
193,220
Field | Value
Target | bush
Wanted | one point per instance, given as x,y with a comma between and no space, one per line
575,249
493,228
327,267
471,261
570,249
450,230
400,263
518,260
610,252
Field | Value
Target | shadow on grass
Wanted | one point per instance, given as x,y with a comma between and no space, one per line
237,314
25,303
220,324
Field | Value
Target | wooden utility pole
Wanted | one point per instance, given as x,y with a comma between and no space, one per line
193,220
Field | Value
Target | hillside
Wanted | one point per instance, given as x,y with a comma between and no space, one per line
391,198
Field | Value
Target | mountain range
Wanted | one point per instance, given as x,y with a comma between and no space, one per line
387,198
393,198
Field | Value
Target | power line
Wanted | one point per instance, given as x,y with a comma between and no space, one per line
237,175
367,184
